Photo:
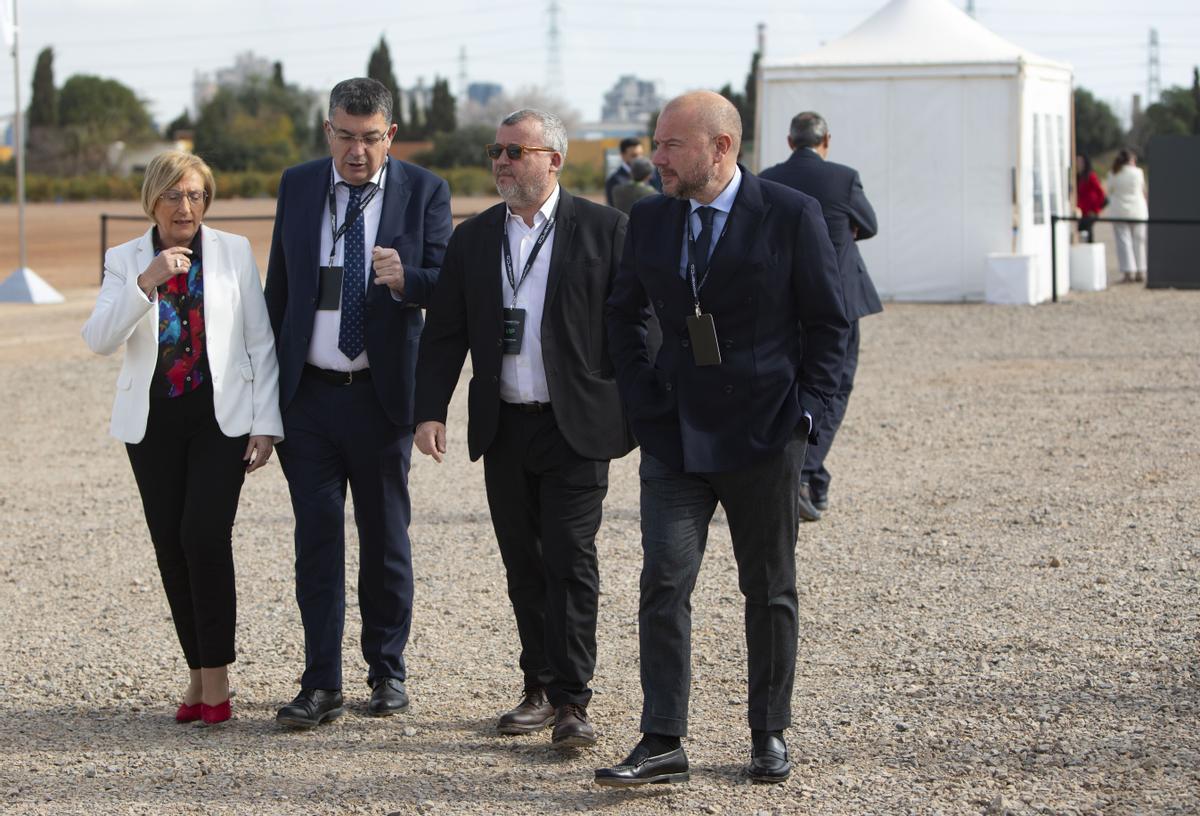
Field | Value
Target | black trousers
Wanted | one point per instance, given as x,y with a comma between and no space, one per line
760,504
815,475
339,436
546,504
190,475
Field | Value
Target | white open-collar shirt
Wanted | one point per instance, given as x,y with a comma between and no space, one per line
323,351
523,376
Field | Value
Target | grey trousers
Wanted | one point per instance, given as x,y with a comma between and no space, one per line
760,503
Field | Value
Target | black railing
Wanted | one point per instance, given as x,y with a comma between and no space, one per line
1054,219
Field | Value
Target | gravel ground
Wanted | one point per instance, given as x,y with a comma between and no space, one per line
998,613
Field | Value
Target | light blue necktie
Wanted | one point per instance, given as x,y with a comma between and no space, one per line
354,316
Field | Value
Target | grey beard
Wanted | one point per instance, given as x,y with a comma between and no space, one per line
517,195
688,189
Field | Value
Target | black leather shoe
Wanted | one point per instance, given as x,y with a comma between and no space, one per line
820,501
311,708
571,727
769,760
640,768
533,713
808,511
388,696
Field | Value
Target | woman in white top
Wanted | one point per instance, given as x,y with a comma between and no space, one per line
197,404
1127,199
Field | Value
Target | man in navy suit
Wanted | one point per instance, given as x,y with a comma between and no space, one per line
743,279
850,218
356,251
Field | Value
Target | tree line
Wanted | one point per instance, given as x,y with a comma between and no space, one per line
1098,131
264,124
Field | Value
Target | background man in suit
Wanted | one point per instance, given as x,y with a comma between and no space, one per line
743,278
631,148
523,289
626,195
850,218
356,250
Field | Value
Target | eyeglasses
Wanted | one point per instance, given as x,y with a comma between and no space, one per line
175,196
515,151
366,140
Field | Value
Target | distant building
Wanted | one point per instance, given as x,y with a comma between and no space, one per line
481,93
246,67
631,100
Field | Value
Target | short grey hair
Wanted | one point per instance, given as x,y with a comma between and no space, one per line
554,132
808,129
361,96
640,169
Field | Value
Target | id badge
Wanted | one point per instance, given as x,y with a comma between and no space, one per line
329,288
703,334
514,330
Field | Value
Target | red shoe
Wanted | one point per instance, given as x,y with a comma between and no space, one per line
215,714
189,713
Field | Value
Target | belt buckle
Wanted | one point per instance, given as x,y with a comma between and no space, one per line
349,378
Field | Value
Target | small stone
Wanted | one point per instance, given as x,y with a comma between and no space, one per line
409,731
1054,562
902,726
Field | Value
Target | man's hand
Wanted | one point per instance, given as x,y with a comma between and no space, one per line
388,269
430,438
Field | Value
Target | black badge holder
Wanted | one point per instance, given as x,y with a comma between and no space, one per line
329,291
703,334
513,318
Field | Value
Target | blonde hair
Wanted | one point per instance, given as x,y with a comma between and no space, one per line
166,169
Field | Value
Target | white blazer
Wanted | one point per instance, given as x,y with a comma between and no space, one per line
237,336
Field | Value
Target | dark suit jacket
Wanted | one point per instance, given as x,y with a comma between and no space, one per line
845,205
415,222
466,315
772,289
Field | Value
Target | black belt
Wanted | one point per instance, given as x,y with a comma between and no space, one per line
528,407
338,377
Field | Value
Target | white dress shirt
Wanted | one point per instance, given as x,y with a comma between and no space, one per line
323,351
523,376
723,203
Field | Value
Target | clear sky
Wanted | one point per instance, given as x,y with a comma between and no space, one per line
156,47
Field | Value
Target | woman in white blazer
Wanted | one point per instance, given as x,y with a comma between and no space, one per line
1127,199
197,404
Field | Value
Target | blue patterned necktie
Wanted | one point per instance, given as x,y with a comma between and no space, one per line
350,332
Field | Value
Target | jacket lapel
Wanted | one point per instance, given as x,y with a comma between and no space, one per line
396,193
484,288
564,232
741,247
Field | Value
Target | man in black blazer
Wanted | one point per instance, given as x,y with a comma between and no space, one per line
523,289
850,218
743,278
356,250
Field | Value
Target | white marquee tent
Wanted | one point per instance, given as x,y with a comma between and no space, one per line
962,140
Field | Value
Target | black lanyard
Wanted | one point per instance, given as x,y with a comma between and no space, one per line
691,250
351,215
513,283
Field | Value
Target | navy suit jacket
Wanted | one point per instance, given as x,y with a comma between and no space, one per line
773,291
415,222
845,205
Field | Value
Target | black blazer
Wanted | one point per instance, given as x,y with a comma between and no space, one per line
415,222
466,315
772,289
845,205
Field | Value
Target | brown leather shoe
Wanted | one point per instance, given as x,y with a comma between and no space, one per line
533,713
571,727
